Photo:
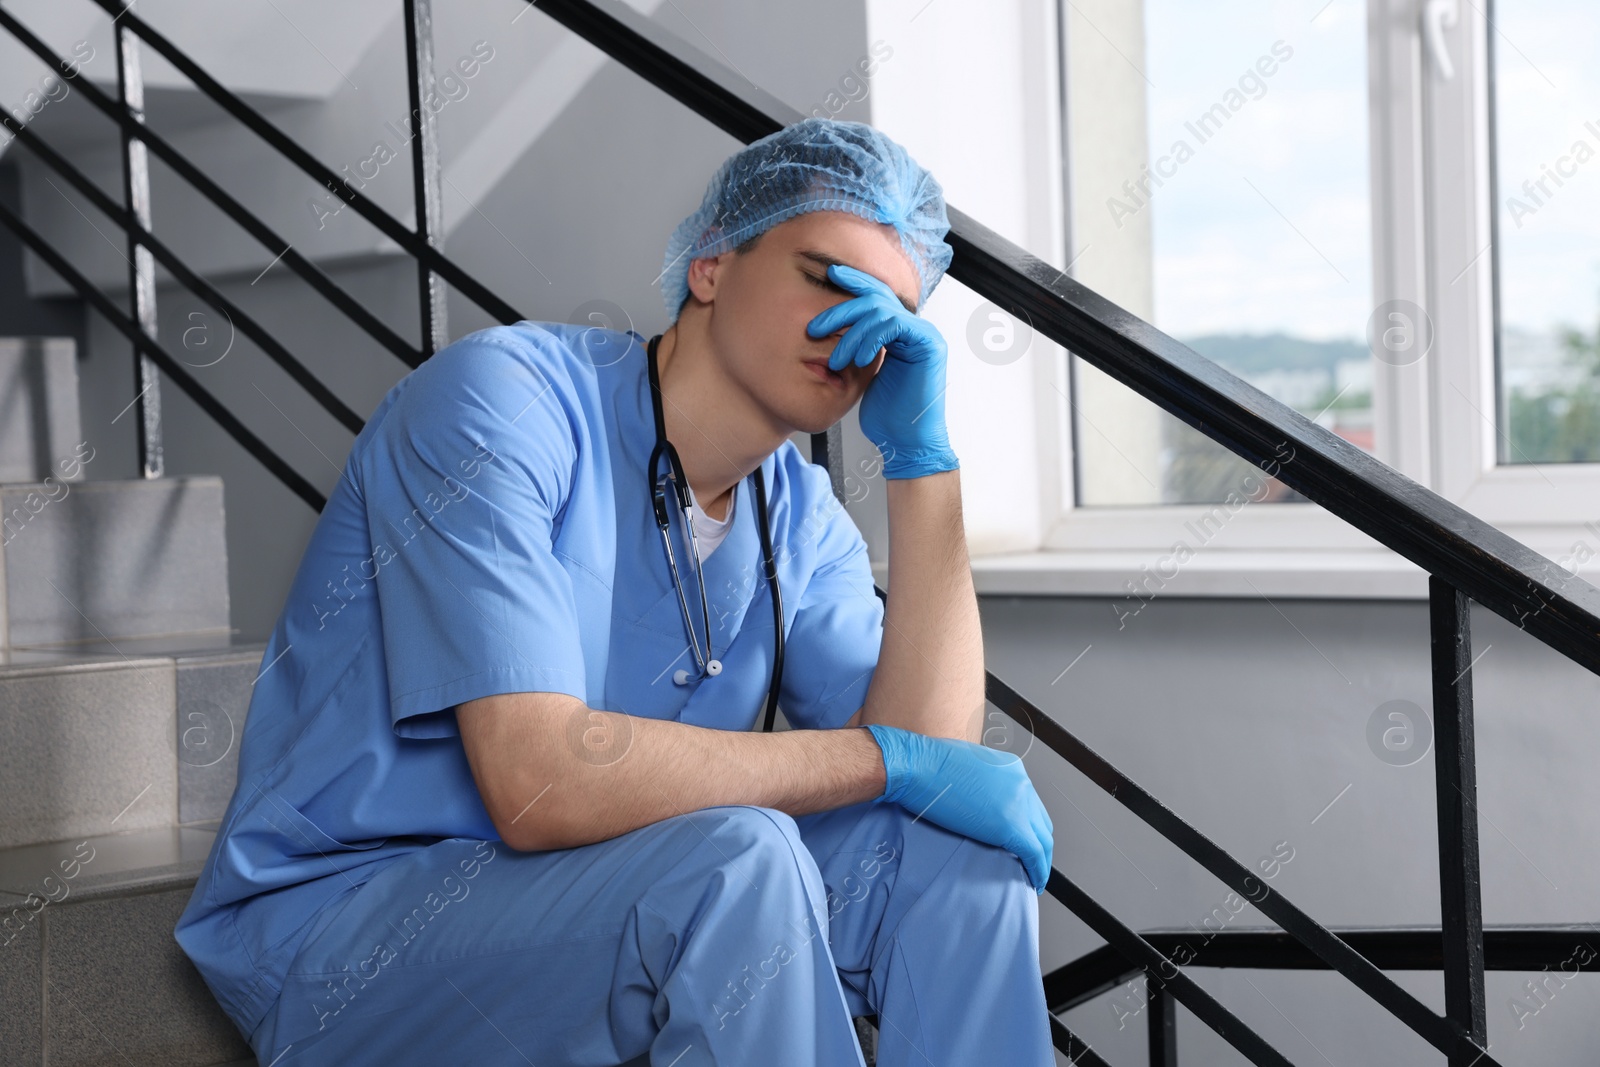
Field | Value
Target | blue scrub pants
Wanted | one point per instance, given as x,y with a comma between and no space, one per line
733,935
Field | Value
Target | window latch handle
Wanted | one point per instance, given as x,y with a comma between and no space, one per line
1437,16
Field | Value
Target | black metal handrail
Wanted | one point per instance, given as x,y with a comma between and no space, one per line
325,176
1317,939
826,447
163,359
1486,564
1465,557
205,290
247,220
1489,566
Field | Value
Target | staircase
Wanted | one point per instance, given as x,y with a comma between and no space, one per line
123,693
122,696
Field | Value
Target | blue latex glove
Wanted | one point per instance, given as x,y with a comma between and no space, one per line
976,791
903,409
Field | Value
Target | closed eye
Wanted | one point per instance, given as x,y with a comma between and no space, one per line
821,282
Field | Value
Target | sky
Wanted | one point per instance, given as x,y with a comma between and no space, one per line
1548,89
1268,227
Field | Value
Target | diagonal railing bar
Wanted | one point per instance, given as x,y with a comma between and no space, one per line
169,366
207,292
1488,565
324,175
1078,1052
231,207
1171,977
1437,1031
722,97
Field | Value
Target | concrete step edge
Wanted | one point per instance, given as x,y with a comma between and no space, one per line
106,865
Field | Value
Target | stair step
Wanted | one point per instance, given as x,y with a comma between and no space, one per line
98,739
92,973
39,424
101,561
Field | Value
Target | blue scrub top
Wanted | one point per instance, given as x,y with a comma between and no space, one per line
491,533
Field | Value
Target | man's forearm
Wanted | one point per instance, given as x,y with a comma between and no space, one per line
930,668
600,774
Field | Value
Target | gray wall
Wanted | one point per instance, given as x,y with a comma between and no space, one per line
1248,718
20,314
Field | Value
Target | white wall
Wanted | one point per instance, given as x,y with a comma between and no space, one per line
972,91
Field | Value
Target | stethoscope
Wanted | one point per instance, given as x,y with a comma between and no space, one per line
707,664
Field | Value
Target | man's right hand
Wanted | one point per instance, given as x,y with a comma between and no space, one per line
976,791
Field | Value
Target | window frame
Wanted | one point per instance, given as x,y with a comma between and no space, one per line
1468,337
1432,206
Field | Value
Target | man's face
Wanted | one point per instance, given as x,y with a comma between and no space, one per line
761,300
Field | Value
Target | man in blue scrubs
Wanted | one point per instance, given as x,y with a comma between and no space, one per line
489,808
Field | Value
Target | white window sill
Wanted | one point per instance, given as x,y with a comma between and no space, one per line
1352,574
1273,573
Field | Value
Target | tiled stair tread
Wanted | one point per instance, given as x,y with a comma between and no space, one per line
195,643
111,485
21,662
138,861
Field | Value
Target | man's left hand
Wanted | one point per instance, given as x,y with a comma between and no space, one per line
903,409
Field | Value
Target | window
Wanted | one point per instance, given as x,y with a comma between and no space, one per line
1547,218
1250,210
1368,190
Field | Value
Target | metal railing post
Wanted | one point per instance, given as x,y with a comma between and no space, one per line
1456,785
141,266
1162,1015
425,169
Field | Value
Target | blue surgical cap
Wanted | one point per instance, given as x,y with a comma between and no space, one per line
814,165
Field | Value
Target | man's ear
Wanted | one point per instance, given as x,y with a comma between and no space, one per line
703,277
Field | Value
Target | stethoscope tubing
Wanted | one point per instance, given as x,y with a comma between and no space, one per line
704,661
